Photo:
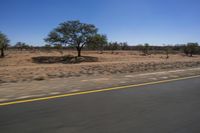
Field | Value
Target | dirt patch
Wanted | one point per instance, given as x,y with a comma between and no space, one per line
69,59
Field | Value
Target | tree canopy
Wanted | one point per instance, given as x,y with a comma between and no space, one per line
191,48
97,42
72,33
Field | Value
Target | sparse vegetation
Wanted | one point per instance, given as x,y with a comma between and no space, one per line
76,35
27,66
84,38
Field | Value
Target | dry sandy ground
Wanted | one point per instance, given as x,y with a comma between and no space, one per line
57,86
18,66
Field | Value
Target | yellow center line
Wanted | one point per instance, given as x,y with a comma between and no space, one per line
93,91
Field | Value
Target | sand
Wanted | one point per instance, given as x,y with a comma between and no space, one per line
19,66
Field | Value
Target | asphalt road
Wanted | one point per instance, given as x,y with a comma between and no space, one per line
161,108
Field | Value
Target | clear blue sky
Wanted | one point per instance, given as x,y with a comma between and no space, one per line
132,21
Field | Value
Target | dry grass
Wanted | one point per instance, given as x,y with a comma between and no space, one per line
21,66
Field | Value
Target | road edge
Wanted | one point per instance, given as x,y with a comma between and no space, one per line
93,91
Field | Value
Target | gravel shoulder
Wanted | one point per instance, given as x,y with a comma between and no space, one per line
24,90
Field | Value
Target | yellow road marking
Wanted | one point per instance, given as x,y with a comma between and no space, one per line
93,91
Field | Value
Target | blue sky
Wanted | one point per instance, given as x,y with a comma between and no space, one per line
134,21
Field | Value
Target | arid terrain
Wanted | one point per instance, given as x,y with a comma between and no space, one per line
25,66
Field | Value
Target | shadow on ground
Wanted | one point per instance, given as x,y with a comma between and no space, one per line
68,59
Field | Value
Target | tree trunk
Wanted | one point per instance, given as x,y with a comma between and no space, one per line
79,52
79,48
2,52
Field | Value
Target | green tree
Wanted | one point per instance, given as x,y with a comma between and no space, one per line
72,33
97,42
3,43
191,49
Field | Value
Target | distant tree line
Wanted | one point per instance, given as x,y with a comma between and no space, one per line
101,45
22,46
79,36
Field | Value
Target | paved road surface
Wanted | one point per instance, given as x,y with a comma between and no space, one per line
162,108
